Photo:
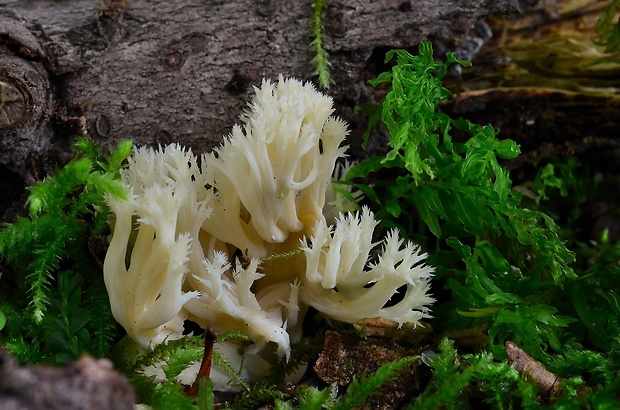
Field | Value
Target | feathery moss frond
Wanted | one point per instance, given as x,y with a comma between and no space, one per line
459,193
320,60
65,210
608,32
261,393
104,328
162,352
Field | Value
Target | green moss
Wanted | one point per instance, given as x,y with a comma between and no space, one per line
320,60
60,303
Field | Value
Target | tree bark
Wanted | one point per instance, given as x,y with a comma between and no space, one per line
162,71
181,71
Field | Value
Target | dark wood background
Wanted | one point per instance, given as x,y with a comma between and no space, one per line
181,71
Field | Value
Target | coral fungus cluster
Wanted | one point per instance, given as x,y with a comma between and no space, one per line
202,239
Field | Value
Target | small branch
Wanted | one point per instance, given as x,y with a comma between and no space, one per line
533,370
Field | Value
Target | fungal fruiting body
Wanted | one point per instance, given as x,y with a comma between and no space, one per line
198,242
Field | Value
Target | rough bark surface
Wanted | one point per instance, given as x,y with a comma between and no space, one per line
87,384
163,71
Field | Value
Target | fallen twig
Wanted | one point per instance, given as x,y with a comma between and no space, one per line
546,381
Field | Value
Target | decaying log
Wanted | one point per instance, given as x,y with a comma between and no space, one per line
544,82
548,123
87,384
163,71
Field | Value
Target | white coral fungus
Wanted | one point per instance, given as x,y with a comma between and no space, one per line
206,235
342,284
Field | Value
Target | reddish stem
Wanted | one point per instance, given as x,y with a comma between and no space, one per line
205,366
